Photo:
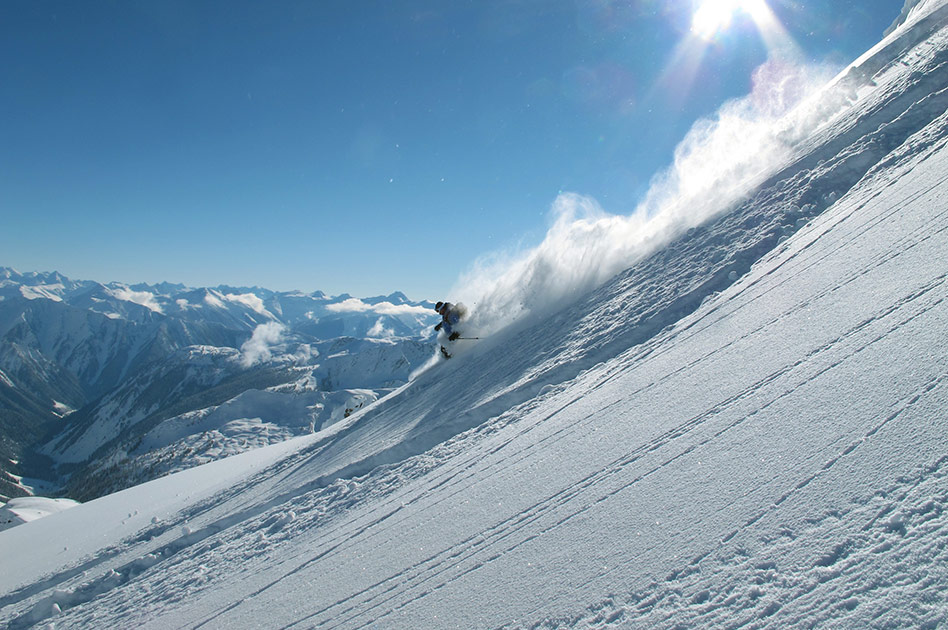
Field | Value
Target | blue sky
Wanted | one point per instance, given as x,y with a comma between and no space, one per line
350,146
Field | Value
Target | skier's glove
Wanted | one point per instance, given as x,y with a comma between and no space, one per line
454,336
438,327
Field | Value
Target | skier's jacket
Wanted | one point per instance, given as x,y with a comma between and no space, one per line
450,316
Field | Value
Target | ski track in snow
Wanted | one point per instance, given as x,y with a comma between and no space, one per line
682,448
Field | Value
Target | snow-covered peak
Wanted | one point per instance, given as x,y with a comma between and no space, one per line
249,300
170,298
395,298
42,292
913,10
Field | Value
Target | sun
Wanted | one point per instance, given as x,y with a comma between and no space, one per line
712,16
710,20
715,16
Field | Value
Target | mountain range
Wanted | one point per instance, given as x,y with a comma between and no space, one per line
94,376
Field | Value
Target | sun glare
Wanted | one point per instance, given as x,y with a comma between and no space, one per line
712,16
715,16
711,19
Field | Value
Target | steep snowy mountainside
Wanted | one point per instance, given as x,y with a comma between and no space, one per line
874,116
894,117
120,355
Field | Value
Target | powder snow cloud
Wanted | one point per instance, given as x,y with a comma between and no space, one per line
718,163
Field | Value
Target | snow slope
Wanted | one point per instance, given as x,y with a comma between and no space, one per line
746,429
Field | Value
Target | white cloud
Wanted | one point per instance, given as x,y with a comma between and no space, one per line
355,305
142,298
719,161
379,330
304,353
258,347
352,305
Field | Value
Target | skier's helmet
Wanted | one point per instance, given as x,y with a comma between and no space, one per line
438,306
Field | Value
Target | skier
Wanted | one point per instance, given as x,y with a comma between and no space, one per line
451,315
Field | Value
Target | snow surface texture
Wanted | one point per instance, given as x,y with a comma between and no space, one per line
745,429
